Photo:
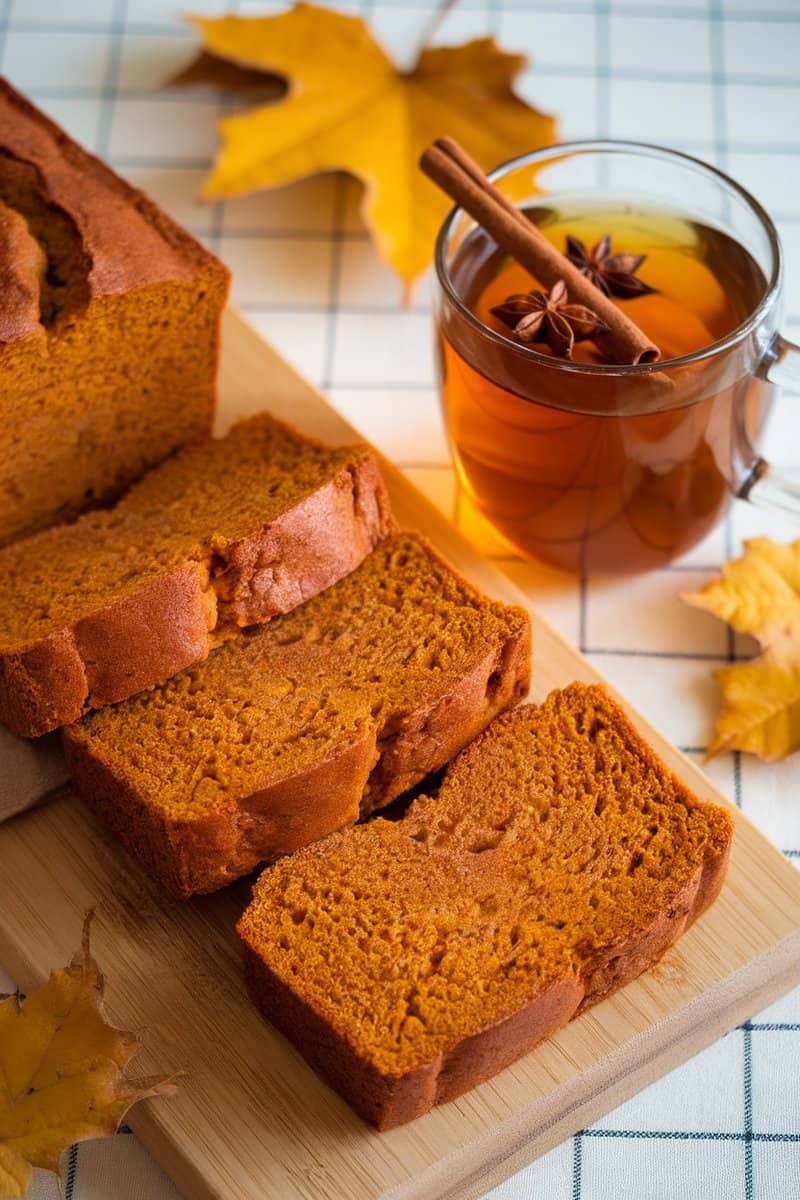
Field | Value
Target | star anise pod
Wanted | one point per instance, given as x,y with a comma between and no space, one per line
537,316
614,274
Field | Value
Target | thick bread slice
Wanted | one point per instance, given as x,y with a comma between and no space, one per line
287,733
409,960
228,533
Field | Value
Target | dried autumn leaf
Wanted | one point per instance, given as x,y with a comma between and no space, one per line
349,108
15,1172
759,594
761,704
62,1070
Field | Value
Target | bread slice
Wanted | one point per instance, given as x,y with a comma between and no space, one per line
289,732
227,533
409,960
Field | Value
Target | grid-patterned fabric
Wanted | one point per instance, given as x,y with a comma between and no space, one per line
718,78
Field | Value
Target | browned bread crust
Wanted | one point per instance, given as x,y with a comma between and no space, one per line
411,960
175,580
290,732
109,327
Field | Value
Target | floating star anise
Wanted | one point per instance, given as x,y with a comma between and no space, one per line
537,316
614,274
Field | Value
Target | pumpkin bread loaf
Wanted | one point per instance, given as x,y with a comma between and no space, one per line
291,731
227,533
409,960
109,327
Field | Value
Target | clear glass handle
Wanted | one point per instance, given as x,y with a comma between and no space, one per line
781,364
763,485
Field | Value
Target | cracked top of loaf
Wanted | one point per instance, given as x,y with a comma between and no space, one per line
70,229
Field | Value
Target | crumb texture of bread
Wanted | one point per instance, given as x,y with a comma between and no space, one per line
409,960
109,327
291,731
225,534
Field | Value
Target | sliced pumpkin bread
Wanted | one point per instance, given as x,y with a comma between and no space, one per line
291,731
409,960
228,533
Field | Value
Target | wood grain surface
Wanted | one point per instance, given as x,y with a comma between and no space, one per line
251,1121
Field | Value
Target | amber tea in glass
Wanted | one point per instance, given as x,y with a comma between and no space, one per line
601,467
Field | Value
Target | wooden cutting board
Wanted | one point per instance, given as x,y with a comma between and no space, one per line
251,1121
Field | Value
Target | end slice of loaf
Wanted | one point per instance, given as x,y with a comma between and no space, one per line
290,732
409,960
228,533
109,327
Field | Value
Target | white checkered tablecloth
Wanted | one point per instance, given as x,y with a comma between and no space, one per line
717,78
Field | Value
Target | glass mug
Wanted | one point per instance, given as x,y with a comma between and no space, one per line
599,467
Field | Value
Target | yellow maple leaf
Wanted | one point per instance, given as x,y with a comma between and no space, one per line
349,108
15,1172
759,594
62,1071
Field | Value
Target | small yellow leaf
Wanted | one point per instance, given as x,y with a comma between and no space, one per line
15,1172
349,108
760,706
759,594
62,1071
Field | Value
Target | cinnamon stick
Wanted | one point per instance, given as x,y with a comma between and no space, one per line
452,169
